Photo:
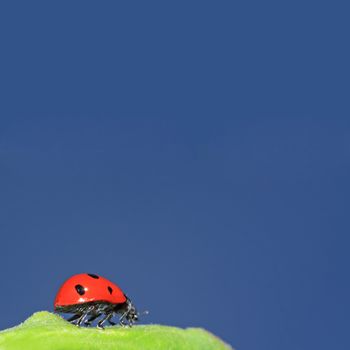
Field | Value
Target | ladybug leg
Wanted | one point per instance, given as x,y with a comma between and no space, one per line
84,315
92,318
81,319
106,318
121,319
111,322
73,318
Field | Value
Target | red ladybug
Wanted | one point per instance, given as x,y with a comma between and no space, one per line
91,295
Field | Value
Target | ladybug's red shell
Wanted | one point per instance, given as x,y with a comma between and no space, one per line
83,288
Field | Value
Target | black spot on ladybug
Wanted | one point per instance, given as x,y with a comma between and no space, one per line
80,289
110,290
93,276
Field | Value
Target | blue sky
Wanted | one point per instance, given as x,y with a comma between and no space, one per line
239,226
197,154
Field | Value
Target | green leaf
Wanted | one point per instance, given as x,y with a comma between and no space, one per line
47,331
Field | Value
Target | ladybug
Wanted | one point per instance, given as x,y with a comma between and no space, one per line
87,295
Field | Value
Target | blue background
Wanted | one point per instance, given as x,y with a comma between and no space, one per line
196,153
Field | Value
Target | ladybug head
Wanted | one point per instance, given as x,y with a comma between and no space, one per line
132,314
128,311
